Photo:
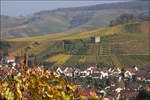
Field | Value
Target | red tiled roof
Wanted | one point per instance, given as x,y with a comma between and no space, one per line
146,75
110,97
113,87
147,87
10,58
100,69
86,92
130,69
70,70
131,94
96,75
119,67
62,68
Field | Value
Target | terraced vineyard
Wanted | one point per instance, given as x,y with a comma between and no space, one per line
142,61
119,46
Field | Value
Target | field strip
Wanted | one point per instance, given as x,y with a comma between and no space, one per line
115,60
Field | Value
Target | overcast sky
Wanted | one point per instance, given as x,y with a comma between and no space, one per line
17,8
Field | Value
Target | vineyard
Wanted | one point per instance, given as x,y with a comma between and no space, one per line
142,61
117,42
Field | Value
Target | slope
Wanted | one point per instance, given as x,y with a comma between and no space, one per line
125,44
68,20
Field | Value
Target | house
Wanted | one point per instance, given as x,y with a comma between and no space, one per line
97,75
131,70
77,72
50,69
102,72
10,59
119,90
14,64
96,70
112,83
60,70
128,74
110,71
143,76
103,93
147,76
68,71
90,69
40,68
116,70
119,69
117,95
85,73
130,94
109,98
120,78
136,68
88,92
96,39
147,87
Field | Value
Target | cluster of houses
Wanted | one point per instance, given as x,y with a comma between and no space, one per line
113,91
104,72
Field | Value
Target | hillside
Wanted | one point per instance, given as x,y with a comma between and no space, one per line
68,20
126,44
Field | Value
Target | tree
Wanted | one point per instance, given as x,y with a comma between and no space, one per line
123,18
143,95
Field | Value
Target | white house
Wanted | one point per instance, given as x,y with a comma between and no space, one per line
137,69
10,59
77,72
120,78
68,71
104,74
128,74
60,70
90,69
84,73
103,92
40,68
119,90
97,75
0,65
14,64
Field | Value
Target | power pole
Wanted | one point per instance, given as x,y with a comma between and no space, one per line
26,59
36,61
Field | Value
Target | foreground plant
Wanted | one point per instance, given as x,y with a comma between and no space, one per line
35,84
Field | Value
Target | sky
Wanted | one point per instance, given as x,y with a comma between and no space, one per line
23,8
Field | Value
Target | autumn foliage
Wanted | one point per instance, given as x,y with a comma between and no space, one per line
38,84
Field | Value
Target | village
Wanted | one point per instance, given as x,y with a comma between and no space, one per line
114,83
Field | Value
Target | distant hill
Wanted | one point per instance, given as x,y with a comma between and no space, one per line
125,44
68,20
